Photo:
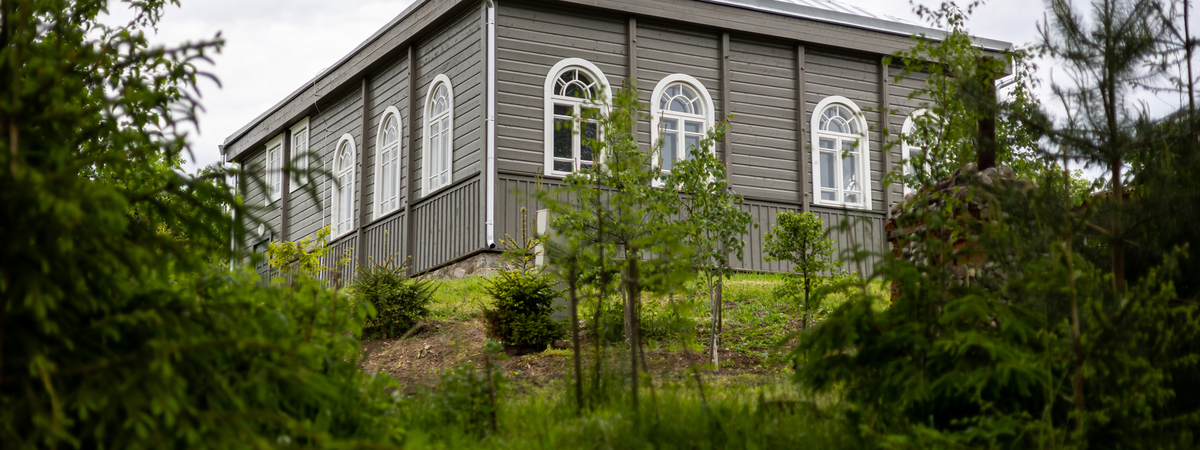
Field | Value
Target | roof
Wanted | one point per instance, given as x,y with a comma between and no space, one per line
828,11
832,11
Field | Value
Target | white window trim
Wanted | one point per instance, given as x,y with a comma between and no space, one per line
656,112
864,165
905,146
274,175
301,163
390,112
426,189
336,190
548,108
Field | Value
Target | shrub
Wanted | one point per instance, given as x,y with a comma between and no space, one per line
522,299
400,302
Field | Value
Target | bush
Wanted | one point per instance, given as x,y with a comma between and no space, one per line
522,301
400,302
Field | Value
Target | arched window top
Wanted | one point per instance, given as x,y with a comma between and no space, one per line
680,97
441,100
345,156
390,132
838,118
576,82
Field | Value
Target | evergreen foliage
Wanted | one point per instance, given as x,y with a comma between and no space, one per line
115,330
1011,326
522,299
399,302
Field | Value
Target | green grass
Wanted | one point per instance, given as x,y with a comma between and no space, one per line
459,300
673,415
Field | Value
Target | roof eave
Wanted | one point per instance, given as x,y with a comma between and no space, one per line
855,21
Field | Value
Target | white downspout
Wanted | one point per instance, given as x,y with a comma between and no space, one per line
490,223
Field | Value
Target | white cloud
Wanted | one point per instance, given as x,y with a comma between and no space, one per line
272,47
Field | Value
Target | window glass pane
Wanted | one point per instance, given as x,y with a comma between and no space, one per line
590,113
564,110
850,172
575,90
585,166
669,147
680,104
828,164
850,146
851,197
669,124
829,195
826,143
589,132
562,166
435,146
562,138
692,127
447,148
690,144
387,182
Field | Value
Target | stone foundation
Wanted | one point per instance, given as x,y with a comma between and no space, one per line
484,264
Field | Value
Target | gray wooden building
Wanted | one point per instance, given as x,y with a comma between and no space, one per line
435,129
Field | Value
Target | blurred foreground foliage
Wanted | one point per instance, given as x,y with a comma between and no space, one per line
118,329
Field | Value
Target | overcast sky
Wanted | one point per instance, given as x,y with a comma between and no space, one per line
275,46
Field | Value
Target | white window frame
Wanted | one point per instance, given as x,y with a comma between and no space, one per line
906,148
274,169
395,161
301,163
864,161
548,108
657,114
343,180
428,187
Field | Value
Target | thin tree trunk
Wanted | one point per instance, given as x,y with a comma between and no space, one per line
712,312
1077,360
633,293
987,122
573,282
1187,48
807,305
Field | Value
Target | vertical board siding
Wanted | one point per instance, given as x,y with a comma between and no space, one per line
763,133
341,251
665,50
387,90
448,225
455,50
530,39
385,240
856,78
866,231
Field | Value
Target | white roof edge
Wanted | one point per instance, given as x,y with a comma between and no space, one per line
853,20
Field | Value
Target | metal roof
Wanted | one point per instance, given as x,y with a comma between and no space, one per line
832,11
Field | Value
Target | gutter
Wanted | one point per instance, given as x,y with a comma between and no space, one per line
490,177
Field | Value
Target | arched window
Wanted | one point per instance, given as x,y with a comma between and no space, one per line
438,153
917,137
576,94
343,187
841,157
681,112
387,163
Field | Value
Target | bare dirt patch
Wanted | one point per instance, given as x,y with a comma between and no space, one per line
418,360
